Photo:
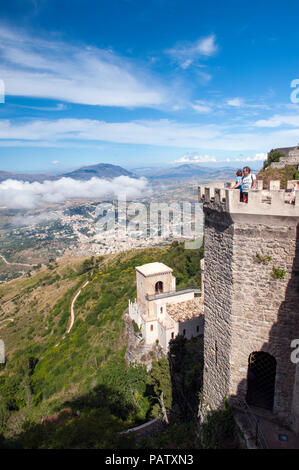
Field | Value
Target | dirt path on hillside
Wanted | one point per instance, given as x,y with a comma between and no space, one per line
6,319
72,308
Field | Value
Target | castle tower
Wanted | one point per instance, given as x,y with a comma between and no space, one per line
152,279
251,301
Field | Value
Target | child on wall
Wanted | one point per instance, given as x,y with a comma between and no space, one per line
293,193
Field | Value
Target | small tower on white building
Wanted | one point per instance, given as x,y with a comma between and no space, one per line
160,311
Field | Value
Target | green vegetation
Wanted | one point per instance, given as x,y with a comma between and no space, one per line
273,156
136,328
278,273
180,377
285,174
85,370
160,383
220,430
262,259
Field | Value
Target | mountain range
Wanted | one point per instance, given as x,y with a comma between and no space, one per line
101,170
108,171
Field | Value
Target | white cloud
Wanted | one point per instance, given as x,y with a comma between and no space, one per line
24,195
29,220
35,67
194,158
88,132
55,162
235,102
185,53
201,107
257,157
238,102
278,121
161,132
206,46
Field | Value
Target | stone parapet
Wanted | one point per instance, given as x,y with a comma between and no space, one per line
272,202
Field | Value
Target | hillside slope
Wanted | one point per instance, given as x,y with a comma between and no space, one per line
48,370
283,174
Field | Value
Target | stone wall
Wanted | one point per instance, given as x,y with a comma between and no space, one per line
291,159
246,308
217,306
265,310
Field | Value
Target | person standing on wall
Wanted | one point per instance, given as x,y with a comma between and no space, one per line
248,182
238,184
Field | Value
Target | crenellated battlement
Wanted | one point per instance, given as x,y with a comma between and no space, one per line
274,201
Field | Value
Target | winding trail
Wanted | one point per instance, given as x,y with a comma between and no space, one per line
15,264
72,307
6,319
72,316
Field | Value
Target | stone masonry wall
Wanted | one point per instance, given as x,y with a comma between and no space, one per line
217,306
265,310
248,310
291,159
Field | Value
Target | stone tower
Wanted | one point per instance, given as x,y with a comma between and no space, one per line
152,279
251,301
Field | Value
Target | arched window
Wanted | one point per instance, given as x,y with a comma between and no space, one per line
159,287
261,380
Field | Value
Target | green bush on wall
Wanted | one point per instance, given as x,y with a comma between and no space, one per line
278,273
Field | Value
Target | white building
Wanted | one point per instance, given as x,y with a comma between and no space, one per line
160,311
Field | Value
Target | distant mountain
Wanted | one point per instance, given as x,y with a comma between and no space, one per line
5,175
101,170
186,171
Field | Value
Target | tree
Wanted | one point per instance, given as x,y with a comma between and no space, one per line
160,381
273,156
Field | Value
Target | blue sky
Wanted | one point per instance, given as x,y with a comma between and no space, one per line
146,83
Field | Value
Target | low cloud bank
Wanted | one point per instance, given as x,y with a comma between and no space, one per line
30,220
24,195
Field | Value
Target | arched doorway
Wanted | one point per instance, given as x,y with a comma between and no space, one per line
261,380
159,287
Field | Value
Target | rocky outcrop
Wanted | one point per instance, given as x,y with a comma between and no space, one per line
137,350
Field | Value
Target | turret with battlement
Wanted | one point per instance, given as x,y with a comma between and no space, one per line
251,300
274,201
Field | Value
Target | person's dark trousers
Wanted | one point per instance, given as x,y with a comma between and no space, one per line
245,197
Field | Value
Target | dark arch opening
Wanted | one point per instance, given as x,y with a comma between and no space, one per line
261,380
159,287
